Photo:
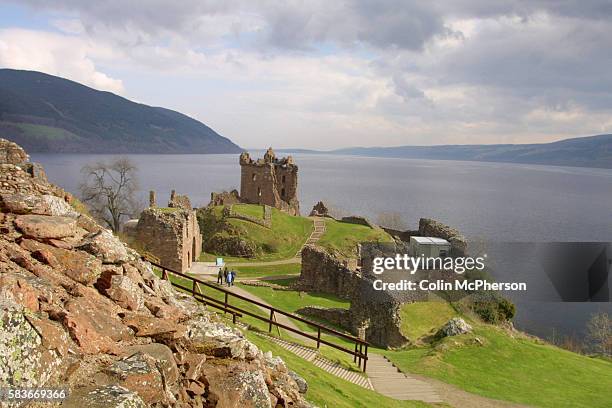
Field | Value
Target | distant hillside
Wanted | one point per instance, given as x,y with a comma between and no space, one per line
591,151
45,113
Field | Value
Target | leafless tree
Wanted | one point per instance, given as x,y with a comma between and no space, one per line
391,220
599,333
108,189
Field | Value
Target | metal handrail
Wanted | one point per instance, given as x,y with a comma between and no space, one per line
360,354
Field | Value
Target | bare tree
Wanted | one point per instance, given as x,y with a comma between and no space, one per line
599,333
108,189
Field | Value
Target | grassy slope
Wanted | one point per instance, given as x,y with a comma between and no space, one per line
267,270
255,211
282,241
518,369
344,237
326,390
424,318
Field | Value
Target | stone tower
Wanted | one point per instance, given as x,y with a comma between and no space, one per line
270,181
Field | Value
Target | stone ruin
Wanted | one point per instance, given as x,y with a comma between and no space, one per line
374,314
319,210
171,234
81,310
270,181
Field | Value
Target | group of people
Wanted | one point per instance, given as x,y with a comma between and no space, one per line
226,276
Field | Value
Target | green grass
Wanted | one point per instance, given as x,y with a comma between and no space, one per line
343,237
421,319
291,301
518,369
44,132
326,390
286,236
255,211
266,270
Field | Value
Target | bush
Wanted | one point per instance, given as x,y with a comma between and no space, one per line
495,309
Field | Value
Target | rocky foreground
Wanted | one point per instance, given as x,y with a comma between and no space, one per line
79,309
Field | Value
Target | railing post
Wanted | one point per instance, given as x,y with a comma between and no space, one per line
360,346
355,355
271,318
193,288
234,319
164,274
365,361
225,303
318,336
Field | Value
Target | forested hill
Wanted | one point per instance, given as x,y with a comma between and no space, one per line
590,151
45,113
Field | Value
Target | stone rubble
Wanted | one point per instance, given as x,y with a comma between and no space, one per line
79,309
454,327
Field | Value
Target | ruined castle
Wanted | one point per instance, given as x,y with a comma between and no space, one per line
170,234
270,181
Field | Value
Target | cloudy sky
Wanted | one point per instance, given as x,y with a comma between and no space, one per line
326,74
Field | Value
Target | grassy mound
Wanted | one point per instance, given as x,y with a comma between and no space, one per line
343,237
285,237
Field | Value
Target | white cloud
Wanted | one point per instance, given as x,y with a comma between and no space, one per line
56,54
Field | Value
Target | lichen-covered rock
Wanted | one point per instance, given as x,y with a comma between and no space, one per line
164,360
454,327
43,227
124,292
93,325
237,384
24,360
139,374
301,382
104,245
219,340
80,310
109,396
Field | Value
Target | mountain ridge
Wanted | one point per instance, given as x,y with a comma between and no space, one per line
588,151
46,113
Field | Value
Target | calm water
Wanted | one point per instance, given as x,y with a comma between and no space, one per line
491,201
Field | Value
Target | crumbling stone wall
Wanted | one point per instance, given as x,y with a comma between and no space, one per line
323,272
171,234
179,201
224,198
433,228
270,181
378,312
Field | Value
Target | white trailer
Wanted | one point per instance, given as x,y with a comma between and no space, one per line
429,247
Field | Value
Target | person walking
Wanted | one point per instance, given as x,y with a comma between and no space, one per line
230,278
220,276
224,275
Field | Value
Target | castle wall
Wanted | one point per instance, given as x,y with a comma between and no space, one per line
322,272
171,235
270,181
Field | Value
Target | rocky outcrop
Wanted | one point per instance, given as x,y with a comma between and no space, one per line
454,327
319,210
433,228
323,272
79,309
